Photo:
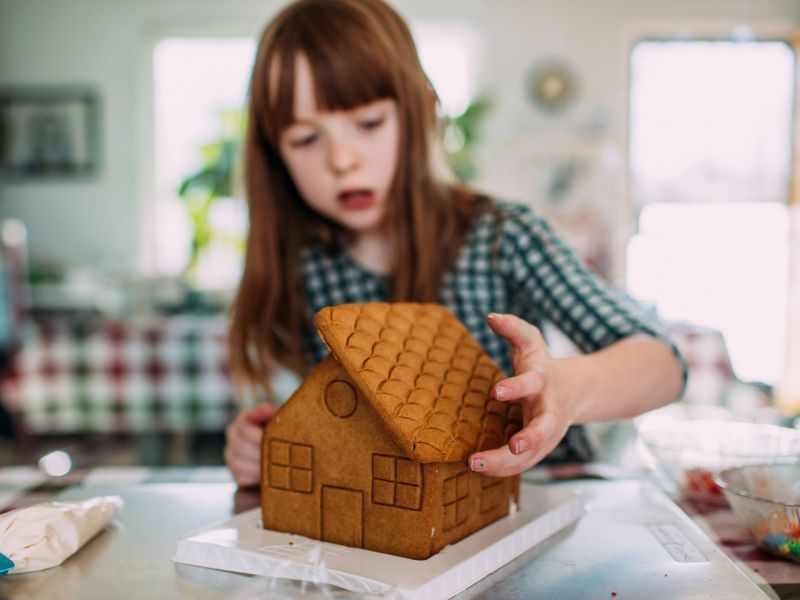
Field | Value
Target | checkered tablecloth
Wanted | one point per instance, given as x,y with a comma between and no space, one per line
122,376
170,374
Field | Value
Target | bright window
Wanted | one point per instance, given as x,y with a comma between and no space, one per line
710,121
195,80
449,53
724,266
710,160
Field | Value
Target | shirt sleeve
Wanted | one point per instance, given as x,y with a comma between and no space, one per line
548,282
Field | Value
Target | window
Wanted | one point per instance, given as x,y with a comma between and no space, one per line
711,121
448,53
491,493
455,497
195,80
710,165
724,266
291,466
396,482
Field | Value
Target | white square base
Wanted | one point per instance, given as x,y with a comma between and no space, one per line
242,546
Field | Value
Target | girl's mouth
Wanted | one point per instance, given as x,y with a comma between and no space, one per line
356,199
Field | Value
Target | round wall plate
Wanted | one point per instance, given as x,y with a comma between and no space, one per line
551,85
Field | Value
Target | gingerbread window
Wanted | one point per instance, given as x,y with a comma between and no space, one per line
396,481
291,466
491,493
456,501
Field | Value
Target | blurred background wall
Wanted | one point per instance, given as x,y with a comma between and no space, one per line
102,220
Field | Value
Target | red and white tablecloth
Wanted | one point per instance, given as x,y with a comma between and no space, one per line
170,373
125,376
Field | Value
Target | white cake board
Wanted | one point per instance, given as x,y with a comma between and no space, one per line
241,545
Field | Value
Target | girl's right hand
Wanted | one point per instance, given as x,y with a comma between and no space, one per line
243,444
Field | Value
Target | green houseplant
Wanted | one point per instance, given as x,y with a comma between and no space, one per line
213,181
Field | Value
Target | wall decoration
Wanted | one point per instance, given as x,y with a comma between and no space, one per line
48,131
551,85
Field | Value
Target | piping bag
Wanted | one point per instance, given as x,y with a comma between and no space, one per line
44,535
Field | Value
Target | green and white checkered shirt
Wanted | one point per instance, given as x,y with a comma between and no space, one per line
534,276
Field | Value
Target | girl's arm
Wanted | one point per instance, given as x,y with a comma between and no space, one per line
549,282
625,379
628,377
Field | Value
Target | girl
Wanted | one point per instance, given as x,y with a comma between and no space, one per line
348,202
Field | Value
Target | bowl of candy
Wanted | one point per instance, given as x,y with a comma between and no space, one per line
692,452
766,499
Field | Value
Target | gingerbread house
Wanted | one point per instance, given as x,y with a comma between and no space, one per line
371,450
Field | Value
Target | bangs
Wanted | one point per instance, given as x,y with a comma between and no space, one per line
349,68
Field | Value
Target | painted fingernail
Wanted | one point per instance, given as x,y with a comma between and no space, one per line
477,464
520,446
500,392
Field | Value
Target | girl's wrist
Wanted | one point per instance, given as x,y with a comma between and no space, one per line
575,380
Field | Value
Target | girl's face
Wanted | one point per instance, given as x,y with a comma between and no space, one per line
341,162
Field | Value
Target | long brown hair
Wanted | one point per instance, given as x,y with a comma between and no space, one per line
359,51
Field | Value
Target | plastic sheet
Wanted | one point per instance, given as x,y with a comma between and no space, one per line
329,570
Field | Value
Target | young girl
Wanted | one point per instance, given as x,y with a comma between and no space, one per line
348,202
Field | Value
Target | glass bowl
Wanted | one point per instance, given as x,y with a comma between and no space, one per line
766,498
692,452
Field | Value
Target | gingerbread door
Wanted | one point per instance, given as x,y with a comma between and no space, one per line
342,516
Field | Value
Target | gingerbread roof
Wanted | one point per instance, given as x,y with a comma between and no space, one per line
425,376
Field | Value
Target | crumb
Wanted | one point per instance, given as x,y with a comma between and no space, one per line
291,543
613,594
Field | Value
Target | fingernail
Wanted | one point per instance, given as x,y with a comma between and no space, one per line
538,369
500,392
477,464
520,446
495,316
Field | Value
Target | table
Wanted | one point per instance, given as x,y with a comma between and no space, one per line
131,559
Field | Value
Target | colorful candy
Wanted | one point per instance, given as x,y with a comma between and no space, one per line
779,533
702,481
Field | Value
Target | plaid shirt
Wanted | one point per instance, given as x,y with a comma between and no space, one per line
534,275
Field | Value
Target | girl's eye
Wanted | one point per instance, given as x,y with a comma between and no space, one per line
371,123
305,140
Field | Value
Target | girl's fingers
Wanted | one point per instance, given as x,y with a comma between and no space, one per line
244,448
253,434
260,414
535,435
500,462
241,463
522,335
244,472
524,449
529,383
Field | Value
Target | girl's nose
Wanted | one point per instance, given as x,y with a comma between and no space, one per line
343,158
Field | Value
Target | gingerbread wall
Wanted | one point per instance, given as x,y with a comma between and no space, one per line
332,472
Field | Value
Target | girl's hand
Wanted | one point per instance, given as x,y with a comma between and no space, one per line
243,444
535,385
